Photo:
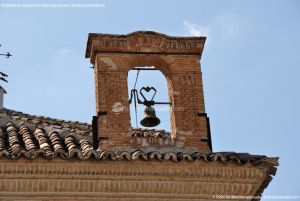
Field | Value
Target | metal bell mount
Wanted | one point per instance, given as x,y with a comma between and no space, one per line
150,119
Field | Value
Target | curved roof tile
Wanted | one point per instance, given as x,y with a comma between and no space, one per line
30,137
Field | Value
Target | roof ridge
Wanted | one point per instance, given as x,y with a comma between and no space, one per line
14,112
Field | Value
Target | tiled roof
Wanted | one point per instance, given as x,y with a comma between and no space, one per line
16,142
28,136
49,124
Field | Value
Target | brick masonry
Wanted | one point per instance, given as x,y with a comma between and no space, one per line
178,58
128,180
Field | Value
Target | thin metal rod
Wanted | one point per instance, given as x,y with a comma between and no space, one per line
144,69
136,79
135,105
163,103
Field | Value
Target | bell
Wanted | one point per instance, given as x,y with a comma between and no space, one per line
150,119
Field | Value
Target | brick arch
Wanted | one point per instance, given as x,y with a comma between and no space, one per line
157,61
178,58
163,64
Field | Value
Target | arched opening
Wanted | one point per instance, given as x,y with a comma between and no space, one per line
152,77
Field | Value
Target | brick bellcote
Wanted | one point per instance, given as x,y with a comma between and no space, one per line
178,58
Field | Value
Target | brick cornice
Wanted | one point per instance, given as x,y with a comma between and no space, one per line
63,179
143,42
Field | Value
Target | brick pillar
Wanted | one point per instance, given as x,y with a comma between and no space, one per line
112,102
188,102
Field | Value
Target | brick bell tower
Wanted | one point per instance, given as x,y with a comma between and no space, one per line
178,58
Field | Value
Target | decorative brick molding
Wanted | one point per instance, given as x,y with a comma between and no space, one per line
143,42
137,180
178,58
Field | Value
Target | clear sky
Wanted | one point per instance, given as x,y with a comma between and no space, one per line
251,66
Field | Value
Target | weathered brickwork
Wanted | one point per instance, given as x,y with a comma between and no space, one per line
178,58
127,180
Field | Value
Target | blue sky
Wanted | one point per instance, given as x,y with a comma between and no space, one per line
250,66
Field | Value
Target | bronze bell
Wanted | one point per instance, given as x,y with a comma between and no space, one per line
150,119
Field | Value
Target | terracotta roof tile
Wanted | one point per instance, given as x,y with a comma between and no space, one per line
46,123
22,142
34,137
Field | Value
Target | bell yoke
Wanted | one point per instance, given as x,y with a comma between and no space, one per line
150,119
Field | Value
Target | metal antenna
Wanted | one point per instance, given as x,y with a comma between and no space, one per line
7,54
3,76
